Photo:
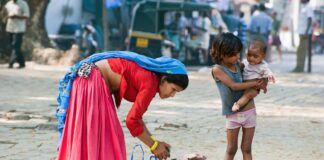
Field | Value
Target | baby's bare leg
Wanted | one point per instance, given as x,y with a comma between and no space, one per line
245,98
247,95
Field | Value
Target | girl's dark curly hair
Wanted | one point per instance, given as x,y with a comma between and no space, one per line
225,45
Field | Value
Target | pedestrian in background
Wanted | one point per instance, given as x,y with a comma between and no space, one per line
275,35
305,18
205,34
227,73
232,21
200,37
260,26
242,34
88,41
174,33
17,12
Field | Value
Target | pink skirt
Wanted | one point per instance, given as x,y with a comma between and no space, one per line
92,129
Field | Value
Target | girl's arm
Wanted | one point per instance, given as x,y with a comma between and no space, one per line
219,74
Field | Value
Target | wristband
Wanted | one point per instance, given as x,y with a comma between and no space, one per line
154,146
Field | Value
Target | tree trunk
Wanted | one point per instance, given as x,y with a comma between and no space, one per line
4,45
35,35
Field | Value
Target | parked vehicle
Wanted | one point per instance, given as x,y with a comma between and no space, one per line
147,34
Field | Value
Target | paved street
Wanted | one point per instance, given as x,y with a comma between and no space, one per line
290,123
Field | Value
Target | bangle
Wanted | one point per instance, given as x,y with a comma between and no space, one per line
153,138
154,146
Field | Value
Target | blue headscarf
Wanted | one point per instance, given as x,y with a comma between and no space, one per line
162,65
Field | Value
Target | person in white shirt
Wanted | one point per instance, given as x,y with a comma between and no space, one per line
205,34
17,15
306,14
254,68
201,28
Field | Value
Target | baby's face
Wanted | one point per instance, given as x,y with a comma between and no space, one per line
255,56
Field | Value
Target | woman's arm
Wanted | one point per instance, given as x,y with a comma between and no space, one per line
145,137
162,148
137,126
219,74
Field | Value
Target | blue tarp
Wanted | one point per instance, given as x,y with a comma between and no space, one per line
113,3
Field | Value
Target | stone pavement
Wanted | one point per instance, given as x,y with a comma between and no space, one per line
290,115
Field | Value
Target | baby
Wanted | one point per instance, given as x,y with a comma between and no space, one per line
254,68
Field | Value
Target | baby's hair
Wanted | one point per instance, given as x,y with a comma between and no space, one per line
225,45
259,44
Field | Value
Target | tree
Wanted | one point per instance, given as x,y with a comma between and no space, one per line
35,36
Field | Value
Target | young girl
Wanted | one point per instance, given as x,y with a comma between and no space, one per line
228,76
254,68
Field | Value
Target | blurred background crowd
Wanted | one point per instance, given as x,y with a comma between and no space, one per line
182,29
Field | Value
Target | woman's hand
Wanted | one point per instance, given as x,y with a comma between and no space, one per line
162,151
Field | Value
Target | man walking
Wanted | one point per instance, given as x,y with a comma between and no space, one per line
17,15
304,29
260,27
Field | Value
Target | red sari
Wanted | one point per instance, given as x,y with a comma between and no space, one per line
92,129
